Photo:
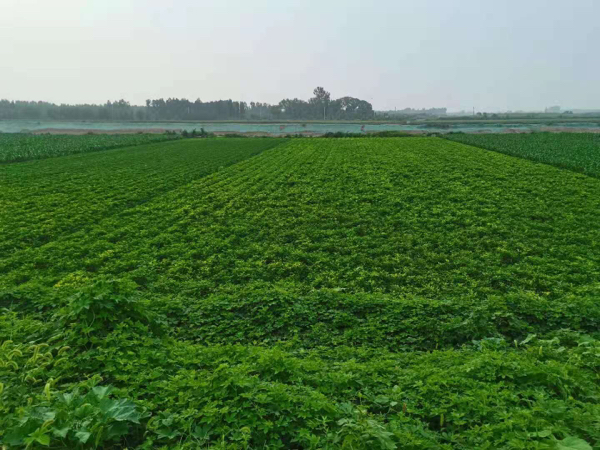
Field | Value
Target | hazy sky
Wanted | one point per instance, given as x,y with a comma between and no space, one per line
490,54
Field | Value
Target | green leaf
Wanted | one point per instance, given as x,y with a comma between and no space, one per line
44,439
40,437
66,397
573,443
101,391
61,432
117,429
528,339
121,410
82,436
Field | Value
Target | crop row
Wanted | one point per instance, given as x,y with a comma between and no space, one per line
16,147
579,152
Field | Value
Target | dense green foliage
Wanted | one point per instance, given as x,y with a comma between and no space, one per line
24,147
44,201
579,152
325,293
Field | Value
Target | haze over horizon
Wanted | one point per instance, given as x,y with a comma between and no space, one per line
493,56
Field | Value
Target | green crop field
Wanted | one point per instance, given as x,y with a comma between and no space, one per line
380,293
579,152
42,201
24,147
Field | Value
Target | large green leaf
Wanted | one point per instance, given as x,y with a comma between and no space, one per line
573,443
120,410
83,436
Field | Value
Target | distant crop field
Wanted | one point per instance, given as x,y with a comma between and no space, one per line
376,293
16,147
66,195
579,152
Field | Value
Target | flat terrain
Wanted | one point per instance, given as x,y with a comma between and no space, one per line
16,147
308,128
45,200
303,293
579,152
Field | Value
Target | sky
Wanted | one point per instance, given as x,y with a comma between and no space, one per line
485,54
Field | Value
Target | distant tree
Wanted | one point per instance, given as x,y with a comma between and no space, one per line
320,100
321,94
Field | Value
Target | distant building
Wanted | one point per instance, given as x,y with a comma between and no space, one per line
553,109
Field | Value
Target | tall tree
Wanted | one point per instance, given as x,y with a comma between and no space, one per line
321,99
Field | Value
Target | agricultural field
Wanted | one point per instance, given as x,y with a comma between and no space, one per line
579,152
44,201
25,147
299,293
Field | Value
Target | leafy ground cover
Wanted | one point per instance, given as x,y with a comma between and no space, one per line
42,201
24,147
335,293
579,152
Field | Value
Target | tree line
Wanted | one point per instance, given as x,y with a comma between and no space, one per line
318,107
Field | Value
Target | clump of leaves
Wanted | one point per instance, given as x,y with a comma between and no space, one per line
23,367
74,419
96,310
359,430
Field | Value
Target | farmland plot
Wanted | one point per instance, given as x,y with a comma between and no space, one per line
25,147
372,293
579,152
43,200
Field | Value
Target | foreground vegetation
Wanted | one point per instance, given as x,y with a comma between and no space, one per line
24,147
579,152
323,293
